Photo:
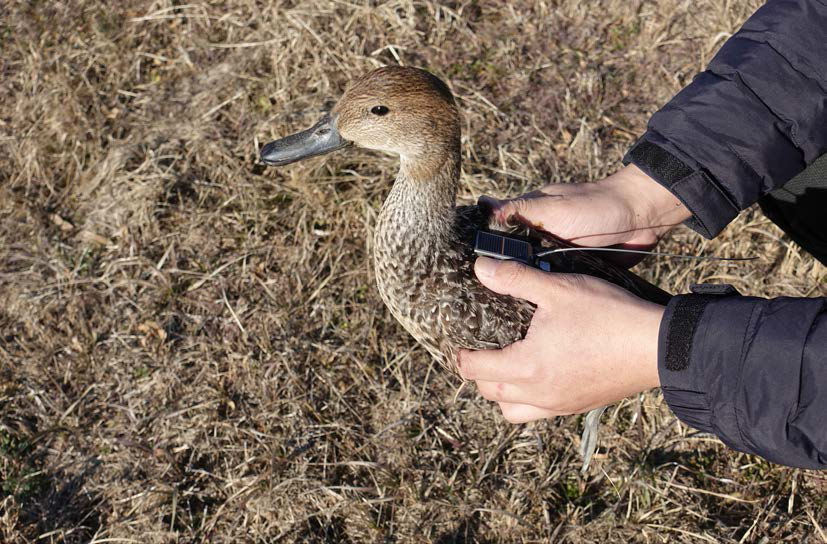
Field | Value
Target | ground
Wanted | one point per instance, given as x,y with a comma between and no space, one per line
192,346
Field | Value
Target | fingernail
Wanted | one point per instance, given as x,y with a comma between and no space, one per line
486,267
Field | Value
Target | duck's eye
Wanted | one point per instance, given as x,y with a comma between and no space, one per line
379,110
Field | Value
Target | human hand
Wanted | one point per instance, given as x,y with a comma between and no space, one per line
590,344
627,208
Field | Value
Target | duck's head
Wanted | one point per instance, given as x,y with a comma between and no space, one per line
395,109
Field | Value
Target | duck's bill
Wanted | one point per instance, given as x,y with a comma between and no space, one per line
321,138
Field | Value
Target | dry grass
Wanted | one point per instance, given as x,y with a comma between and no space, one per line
192,348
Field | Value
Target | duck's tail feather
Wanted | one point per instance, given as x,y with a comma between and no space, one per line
588,440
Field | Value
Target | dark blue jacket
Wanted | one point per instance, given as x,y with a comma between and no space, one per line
751,370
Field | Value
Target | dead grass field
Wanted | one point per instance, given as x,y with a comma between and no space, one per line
192,347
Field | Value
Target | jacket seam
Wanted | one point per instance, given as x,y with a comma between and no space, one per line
713,181
797,410
776,42
797,62
746,165
748,331
793,125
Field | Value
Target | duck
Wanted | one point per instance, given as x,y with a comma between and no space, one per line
423,250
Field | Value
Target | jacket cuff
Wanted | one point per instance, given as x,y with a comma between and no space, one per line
699,373
712,209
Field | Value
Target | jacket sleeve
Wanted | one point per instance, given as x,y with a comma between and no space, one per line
751,371
748,124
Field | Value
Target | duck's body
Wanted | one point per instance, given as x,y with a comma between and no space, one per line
423,242
425,275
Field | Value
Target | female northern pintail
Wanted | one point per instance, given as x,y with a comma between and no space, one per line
424,242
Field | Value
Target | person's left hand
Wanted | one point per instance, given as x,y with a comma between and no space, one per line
590,344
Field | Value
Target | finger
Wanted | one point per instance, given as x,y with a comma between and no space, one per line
515,279
502,392
523,413
510,364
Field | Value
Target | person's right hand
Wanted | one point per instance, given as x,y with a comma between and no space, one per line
628,208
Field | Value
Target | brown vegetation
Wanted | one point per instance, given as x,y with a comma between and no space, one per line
192,348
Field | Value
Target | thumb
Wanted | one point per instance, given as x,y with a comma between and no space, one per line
515,279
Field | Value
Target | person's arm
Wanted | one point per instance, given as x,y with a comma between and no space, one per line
750,122
751,371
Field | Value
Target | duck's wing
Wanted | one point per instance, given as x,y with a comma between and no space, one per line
470,316
580,262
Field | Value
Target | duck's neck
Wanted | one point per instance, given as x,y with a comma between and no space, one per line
417,218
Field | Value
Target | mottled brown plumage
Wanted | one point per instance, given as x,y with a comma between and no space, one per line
423,242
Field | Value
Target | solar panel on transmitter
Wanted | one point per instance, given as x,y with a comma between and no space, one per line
501,247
